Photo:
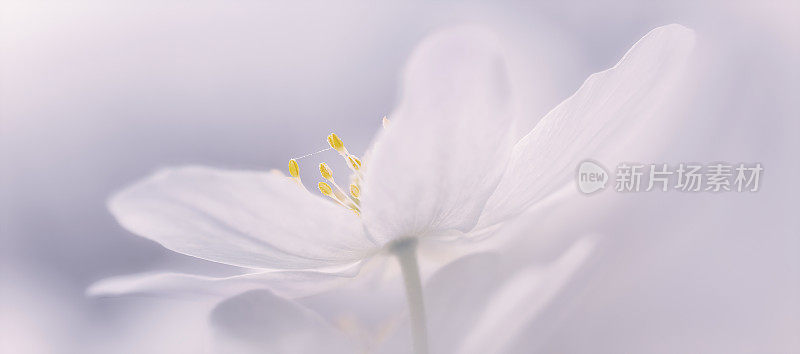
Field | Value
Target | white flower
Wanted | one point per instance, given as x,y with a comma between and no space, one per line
475,306
447,167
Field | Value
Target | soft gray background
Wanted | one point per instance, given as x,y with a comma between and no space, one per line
96,94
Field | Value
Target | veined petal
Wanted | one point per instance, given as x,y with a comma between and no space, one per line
260,322
436,164
285,283
608,102
243,218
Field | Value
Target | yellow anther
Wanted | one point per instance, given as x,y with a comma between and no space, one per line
325,188
336,143
356,212
330,188
326,171
385,122
294,169
354,162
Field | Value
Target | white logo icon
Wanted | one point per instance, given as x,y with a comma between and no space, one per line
591,177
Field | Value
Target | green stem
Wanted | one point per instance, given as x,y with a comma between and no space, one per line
406,252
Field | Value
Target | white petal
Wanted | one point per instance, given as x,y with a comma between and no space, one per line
260,322
286,283
455,295
608,103
521,299
242,218
436,164
474,306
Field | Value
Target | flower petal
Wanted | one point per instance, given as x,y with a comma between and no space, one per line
479,303
441,156
456,294
260,322
545,160
243,218
454,297
521,298
285,283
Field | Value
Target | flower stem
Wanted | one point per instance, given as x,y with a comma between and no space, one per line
406,252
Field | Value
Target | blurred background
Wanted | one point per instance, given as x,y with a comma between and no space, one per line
97,94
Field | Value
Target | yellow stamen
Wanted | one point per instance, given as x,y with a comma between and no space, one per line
325,189
326,171
294,169
336,143
337,195
340,196
354,162
330,188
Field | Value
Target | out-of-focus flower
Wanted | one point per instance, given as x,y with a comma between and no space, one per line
446,167
475,306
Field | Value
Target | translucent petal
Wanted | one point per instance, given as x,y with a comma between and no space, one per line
439,159
285,283
242,218
521,298
261,322
607,105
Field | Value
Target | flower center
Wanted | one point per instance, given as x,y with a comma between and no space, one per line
329,187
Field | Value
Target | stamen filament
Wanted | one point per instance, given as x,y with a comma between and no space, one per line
344,196
326,190
337,195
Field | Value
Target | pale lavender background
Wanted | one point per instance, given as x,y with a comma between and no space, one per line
94,95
